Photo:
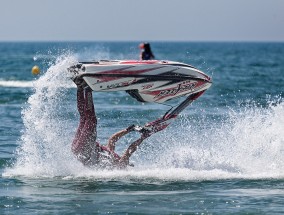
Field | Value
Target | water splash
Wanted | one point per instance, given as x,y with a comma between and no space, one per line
247,143
44,149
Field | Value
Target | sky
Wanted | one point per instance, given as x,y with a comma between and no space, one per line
137,20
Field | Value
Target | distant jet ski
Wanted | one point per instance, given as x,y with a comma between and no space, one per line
146,81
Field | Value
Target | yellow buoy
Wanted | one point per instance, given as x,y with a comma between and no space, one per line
35,70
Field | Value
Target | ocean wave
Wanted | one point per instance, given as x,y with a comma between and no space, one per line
30,84
19,84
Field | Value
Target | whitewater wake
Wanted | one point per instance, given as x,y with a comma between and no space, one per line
247,144
19,84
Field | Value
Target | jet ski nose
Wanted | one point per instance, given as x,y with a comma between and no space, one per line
76,69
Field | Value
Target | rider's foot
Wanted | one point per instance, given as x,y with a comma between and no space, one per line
79,82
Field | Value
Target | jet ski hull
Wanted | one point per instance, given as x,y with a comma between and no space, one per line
147,81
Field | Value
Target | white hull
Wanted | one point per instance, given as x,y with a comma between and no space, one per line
147,81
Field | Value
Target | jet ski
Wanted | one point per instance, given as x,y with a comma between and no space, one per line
147,81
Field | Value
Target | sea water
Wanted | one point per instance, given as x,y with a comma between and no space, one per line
223,155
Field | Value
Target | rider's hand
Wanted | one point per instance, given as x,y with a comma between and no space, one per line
130,128
146,133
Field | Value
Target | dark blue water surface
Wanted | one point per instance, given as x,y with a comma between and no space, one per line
223,155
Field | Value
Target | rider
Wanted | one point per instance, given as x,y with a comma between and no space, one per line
146,53
84,145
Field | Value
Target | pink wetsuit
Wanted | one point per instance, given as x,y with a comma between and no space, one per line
84,145
86,135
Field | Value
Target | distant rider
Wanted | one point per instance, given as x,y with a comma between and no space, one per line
146,53
84,145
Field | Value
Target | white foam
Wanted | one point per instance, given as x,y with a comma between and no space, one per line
19,84
248,144
44,149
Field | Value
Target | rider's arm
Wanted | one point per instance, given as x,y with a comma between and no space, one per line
115,137
124,160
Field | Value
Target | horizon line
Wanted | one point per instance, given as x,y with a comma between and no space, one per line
139,41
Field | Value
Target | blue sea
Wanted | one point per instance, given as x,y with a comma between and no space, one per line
223,155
